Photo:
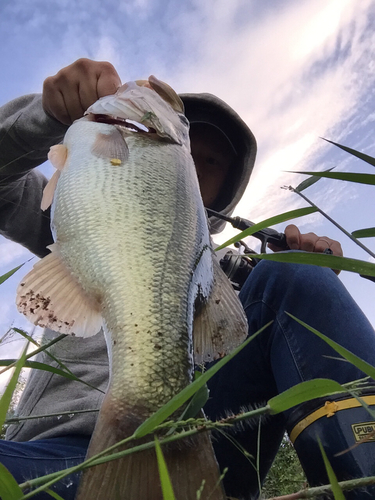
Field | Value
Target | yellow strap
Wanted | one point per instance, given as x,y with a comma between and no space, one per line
328,410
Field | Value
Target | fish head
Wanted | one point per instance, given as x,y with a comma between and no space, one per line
144,106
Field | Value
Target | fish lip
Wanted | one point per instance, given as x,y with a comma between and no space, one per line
123,123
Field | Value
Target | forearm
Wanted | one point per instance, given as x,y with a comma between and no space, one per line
26,134
21,218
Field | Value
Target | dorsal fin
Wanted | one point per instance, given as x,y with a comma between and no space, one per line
167,93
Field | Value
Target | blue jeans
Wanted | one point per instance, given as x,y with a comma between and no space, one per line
36,458
282,356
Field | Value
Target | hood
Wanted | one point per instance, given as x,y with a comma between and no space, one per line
207,108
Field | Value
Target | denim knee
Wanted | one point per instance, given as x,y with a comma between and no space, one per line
270,279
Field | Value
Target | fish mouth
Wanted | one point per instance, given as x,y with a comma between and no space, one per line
125,123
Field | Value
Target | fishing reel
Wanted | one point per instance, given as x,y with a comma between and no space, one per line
237,266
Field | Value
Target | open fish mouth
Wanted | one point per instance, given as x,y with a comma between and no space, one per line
126,123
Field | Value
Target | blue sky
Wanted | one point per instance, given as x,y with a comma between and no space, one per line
295,70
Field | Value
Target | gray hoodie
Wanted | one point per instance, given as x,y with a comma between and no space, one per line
26,134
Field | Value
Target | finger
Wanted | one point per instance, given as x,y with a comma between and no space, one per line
293,235
108,80
53,103
102,79
73,102
61,98
336,248
78,86
322,243
88,94
77,83
308,241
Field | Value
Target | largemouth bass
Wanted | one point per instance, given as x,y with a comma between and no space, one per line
133,255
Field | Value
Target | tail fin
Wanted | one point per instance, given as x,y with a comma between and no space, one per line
191,464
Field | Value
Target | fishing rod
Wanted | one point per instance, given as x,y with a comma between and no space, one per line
266,235
238,266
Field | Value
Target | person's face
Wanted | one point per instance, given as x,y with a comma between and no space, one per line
213,157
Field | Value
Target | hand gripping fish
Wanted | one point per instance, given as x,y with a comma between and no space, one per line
126,182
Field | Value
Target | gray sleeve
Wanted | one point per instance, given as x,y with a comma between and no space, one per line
26,134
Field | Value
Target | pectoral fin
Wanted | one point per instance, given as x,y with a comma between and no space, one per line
57,156
220,324
111,146
51,297
49,190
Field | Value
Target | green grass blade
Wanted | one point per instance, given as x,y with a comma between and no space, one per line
8,393
40,349
363,403
321,259
293,214
368,179
7,275
36,365
53,494
26,336
16,420
355,240
33,353
9,489
349,356
30,339
165,480
304,391
361,156
364,233
181,398
197,402
336,489
310,181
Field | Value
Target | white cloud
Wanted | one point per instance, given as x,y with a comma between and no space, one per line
323,25
108,50
289,102
135,7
